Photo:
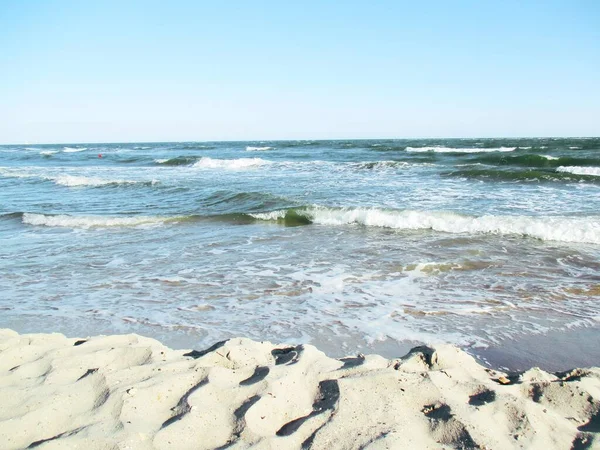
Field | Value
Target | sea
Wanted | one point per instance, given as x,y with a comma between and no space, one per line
355,246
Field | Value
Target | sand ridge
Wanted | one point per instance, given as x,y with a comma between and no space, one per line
132,392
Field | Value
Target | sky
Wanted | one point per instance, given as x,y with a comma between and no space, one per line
143,71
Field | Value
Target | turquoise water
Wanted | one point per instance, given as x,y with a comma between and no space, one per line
351,245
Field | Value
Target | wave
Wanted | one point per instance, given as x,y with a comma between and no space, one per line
73,181
67,221
553,228
48,152
437,149
73,150
533,160
380,165
522,175
546,228
257,149
230,164
178,161
590,171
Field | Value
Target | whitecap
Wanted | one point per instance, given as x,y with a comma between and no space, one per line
577,170
48,152
257,149
548,157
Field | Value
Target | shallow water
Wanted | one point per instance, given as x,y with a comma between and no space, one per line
350,245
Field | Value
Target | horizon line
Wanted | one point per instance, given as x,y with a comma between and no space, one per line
292,140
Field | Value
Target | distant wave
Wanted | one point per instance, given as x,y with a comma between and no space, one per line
73,150
563,229
458,150
67,221
591,171
230,164
48,152
257,149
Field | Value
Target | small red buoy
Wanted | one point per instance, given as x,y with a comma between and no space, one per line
99,155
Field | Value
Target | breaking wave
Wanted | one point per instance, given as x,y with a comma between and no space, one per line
67,221
546,228
553,228
590,171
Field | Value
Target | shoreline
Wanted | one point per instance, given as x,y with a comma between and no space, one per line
133,391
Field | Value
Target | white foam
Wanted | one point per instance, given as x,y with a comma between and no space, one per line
230,164
72,181
91,221
574,147
525,148
273,215
551,158
380,165
437,149
49,152
577,170
257,149
161,161
549,228
32,149
73,150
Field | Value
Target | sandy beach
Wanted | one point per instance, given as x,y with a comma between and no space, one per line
128,391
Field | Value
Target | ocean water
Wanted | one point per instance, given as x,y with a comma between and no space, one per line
358,245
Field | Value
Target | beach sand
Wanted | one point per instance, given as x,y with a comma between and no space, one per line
132,392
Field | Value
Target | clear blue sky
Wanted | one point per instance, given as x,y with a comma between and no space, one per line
115,71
